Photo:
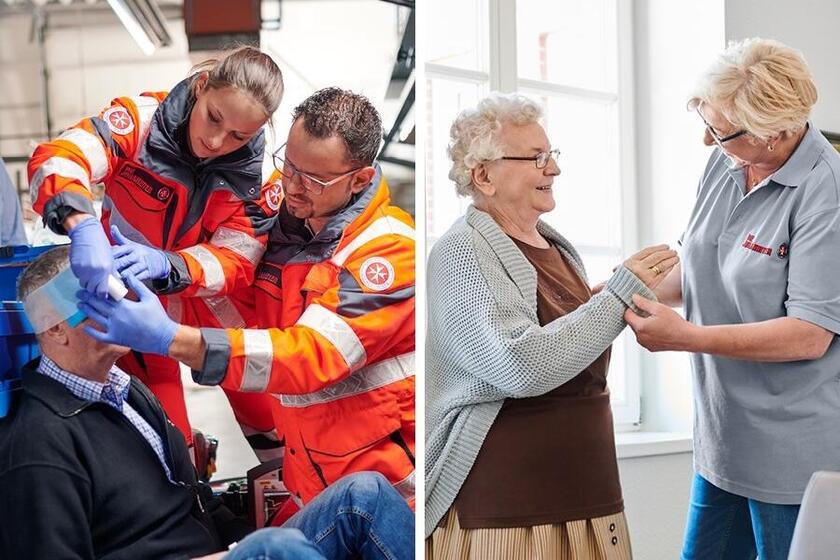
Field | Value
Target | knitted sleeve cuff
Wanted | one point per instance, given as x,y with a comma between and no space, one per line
624,284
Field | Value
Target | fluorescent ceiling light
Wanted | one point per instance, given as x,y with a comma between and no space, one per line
144,23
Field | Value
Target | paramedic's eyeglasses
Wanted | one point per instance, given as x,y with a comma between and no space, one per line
719,140
540,160
310,183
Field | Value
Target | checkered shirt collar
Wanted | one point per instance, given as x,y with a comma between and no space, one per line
114,391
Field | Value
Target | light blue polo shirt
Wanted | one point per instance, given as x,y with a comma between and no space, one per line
762,429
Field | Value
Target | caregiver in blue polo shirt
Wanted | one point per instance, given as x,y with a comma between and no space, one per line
760,285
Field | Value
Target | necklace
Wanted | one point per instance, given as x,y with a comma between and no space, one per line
752,180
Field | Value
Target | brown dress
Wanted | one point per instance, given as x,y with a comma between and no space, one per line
545,483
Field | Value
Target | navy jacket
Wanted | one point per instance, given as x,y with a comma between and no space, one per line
78,481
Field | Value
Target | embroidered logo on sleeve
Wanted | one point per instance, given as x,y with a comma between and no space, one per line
377,274
783,251
273,196
119,121
753,246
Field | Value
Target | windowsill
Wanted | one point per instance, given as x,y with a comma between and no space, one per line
647,444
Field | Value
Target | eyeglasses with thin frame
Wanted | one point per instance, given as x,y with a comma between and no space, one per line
540,160
719,140
310,183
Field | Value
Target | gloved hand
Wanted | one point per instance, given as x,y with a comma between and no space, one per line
90,256
138,260
142,325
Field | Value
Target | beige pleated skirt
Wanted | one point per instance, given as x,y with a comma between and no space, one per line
601,538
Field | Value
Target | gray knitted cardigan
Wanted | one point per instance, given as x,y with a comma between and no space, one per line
485,343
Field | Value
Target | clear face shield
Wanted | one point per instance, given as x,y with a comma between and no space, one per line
54,302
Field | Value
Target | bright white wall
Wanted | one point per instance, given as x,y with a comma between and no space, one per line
675,41
656,491
807,25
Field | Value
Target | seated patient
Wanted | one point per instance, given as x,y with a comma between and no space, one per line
90,467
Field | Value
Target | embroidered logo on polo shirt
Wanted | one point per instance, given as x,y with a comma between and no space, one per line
753,246
783,251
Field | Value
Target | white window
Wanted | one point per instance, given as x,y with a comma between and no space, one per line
575,58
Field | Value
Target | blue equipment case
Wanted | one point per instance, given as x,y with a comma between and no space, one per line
17,339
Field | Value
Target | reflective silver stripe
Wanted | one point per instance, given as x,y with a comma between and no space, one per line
383,226
146,107
57,166
258,356
337,331
174,308
240,243
406,486
92,148
225,312
298,502
214,274
366,379
264,455
118,220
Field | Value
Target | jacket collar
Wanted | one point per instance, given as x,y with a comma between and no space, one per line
290,242
166,150
56,396
59,398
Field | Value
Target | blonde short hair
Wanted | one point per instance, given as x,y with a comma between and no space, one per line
759,85
475,136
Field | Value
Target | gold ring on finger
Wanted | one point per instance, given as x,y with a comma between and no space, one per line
656,270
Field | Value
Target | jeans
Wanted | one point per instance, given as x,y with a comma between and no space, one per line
275,543
360,516
724,526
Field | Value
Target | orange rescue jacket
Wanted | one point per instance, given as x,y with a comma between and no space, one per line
210,214
335,345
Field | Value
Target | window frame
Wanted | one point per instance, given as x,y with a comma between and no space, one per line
502,75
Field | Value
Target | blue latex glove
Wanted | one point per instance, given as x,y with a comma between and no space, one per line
138,260
90,256
142,325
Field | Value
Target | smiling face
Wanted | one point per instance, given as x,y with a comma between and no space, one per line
519,188
222,120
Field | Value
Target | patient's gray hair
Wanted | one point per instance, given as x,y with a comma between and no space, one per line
44,268
475,136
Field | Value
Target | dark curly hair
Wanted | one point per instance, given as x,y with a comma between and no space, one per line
337,112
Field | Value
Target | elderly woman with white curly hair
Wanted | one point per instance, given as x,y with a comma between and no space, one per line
760,285
520,456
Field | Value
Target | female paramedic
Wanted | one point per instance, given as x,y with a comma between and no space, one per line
181,172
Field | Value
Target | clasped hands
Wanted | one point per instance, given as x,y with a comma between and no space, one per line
657,327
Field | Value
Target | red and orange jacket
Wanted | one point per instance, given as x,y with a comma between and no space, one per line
210,215
335,345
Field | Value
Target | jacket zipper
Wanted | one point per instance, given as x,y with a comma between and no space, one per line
167,220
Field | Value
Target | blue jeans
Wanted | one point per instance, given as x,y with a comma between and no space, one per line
724,526
275,544
360,516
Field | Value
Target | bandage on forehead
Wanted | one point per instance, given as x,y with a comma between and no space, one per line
54,302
